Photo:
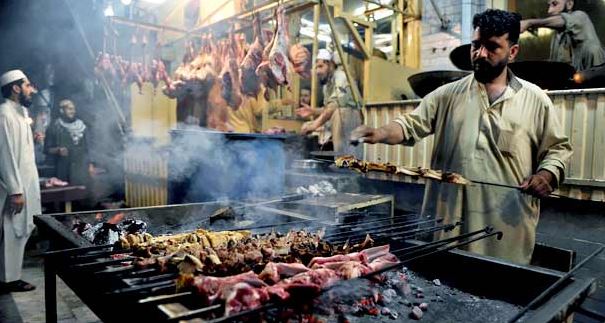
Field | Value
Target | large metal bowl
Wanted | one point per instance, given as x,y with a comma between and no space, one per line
426,82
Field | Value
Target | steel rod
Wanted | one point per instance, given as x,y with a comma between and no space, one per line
193,313
438,250
383,233
162,298
74,251
380,230
140,288
409,233
388,225
560,281
413,249
102,263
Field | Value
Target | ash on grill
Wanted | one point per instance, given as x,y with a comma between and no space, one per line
403,296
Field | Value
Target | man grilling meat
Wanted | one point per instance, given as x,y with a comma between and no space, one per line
489,126
339,107
576,41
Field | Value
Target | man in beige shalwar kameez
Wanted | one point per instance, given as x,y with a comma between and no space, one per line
489,126
19,184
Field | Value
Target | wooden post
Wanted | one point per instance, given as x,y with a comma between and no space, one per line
314,83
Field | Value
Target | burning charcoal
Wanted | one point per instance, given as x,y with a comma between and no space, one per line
373,311
419,290
132,226
436,282
108,234
424,306
416,313
79,227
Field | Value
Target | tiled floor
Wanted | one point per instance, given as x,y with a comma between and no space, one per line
30,305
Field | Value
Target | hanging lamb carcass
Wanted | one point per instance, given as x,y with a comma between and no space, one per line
273,71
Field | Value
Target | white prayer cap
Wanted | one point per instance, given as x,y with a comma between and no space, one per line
11,76
324,54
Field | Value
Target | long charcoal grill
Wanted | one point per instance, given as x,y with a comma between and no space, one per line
120,293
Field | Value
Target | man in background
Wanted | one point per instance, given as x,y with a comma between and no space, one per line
576,41
67,146
339,107
19,183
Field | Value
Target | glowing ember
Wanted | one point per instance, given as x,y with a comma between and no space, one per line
116,218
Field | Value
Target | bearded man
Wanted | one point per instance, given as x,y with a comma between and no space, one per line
67,145
489,126
19,184
576,41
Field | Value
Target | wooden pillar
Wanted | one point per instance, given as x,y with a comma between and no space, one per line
409,38
314,81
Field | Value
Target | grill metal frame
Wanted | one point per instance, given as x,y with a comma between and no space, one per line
468,270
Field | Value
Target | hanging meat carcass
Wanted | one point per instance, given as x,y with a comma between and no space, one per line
273,71
301,60
248,79
229,75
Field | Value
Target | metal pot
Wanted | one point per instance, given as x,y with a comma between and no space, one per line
426,82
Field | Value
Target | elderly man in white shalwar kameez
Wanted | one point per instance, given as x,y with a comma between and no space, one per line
19,186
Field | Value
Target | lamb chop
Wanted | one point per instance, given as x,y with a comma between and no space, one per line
248,79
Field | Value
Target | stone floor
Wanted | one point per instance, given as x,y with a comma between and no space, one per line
29,307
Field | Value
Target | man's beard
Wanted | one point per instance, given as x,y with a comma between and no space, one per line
486,72
68,119
25,101
323,80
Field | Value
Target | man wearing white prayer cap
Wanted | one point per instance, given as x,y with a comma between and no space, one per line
339,110
19,185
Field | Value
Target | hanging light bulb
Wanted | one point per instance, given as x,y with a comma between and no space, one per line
126,2
108,12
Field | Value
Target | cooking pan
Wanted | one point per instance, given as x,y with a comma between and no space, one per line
548,75
425,82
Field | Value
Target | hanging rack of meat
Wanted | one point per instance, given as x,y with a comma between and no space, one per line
273,70
288,268
248,78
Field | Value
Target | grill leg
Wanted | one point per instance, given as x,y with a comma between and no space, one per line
50,291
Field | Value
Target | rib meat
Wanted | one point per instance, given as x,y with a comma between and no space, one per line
248,80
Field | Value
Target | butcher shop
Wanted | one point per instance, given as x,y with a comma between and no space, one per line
302,161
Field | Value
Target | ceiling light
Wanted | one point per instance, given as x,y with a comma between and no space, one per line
108,12
154,1
126,2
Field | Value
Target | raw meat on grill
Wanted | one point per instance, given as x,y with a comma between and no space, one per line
274,272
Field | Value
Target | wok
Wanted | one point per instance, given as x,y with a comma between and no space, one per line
425,82
546,74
